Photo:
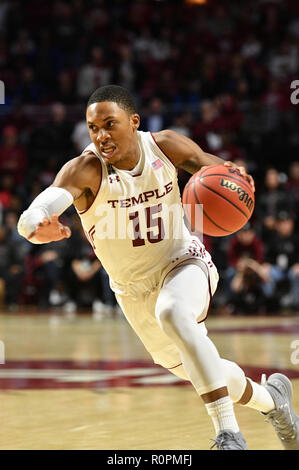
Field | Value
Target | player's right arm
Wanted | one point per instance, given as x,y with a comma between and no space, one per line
76,183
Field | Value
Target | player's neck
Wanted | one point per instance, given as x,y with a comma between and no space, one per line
129,161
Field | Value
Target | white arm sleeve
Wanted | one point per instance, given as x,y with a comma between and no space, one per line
52,200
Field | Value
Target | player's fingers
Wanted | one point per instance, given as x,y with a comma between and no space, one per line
45,221
251,181
249,178
65,231
232,165
68,232
31,235
243,172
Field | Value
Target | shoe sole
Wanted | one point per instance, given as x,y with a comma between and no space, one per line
283,380
286,382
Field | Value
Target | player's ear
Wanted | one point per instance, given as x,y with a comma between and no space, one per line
135,121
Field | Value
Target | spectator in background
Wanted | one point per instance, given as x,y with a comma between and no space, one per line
229,150
48,172
273,99
11,270
292,185
282,257
143,43
85,280
65,92
245,276
155,119
125,70
4,265
206,131
80,136
41,276
4,8
23,46
242,94
59,132
272,200
251,47
181,124
29,89
13,156
10,222
6,191
53,138
229,115
283,62
217,116
93,75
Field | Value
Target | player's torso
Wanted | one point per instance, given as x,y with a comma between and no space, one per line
135,223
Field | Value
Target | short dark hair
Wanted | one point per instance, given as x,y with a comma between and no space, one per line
116,94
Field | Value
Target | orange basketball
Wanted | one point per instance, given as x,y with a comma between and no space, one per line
222,196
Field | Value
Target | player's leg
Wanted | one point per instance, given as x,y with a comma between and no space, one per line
180,296
183,297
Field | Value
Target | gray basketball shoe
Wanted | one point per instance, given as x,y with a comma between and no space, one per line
283,418
229,440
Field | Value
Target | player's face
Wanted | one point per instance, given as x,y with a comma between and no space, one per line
113,132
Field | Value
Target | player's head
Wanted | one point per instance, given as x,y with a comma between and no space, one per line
115,94
112,121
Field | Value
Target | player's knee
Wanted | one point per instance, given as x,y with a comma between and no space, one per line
235,378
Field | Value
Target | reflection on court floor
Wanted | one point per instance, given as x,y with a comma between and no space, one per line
77,383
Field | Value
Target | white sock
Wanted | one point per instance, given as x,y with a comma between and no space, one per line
222,414
261,399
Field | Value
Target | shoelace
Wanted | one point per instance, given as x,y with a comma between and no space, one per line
223,442
283,424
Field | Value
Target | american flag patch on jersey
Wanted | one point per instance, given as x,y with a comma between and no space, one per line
157,164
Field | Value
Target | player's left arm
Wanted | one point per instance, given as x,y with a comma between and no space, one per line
186,154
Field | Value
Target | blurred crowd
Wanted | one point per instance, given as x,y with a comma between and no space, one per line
220,73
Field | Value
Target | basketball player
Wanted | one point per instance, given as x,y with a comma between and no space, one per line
163,282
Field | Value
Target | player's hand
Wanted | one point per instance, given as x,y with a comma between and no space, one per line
50,230
243,172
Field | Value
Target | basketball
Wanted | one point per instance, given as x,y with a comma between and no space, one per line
222,197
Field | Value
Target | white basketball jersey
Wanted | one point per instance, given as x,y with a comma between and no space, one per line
135,223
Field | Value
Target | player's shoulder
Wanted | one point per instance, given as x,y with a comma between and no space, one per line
87,161
170,139
165,135
81,171
175,146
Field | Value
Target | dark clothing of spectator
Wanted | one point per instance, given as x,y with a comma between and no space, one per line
79,257
274,201
237,250
13,162
11,271
283,251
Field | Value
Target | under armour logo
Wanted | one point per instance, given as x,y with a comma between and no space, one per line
113,178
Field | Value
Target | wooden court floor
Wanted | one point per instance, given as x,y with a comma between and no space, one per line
78,383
